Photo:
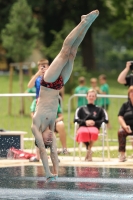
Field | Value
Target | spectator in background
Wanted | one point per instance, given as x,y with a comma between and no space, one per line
125,118
38,76
81,89
60,128
61,94
31,90
125,79
89,118
94,86
104,89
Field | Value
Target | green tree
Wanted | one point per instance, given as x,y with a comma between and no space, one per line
111,53
52,15
122,26
20,35
5,7
58,39
114,45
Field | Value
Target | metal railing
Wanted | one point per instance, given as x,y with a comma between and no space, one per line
19,122
12,102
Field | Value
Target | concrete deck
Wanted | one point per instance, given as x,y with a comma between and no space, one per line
69,161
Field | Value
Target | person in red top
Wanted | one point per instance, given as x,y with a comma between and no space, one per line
55,76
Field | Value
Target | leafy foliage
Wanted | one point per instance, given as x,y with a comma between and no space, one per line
54,13
122,26
59,37
113,29
5,7
20,34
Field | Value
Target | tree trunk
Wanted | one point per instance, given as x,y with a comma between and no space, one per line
21,81
10,90
87,51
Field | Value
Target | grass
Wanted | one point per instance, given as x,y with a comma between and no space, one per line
15,121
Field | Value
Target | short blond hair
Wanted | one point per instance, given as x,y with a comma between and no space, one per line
130,89
93,80
43,60
92,90
103,76
81,79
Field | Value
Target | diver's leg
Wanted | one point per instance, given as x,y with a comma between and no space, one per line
53,151
67,70
39,140
62,58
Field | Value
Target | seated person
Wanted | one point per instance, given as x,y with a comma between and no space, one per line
125,118
89,117
127,79
61,95
59,128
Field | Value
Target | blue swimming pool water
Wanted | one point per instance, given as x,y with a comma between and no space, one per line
74,183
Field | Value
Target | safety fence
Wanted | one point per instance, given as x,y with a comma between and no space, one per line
15,112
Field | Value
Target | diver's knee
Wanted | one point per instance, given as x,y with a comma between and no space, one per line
72,54
34,129
33,126
42,150
65,52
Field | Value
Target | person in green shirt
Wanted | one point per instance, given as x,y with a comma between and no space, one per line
94,86
104,89
31,90
81,89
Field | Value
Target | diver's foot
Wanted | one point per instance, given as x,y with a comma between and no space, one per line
91,16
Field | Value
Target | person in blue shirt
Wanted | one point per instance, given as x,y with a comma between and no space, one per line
36,79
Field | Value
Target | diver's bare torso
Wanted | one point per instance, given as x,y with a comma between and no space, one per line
48,100
47,105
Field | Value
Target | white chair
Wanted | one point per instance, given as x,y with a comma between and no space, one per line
102,133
